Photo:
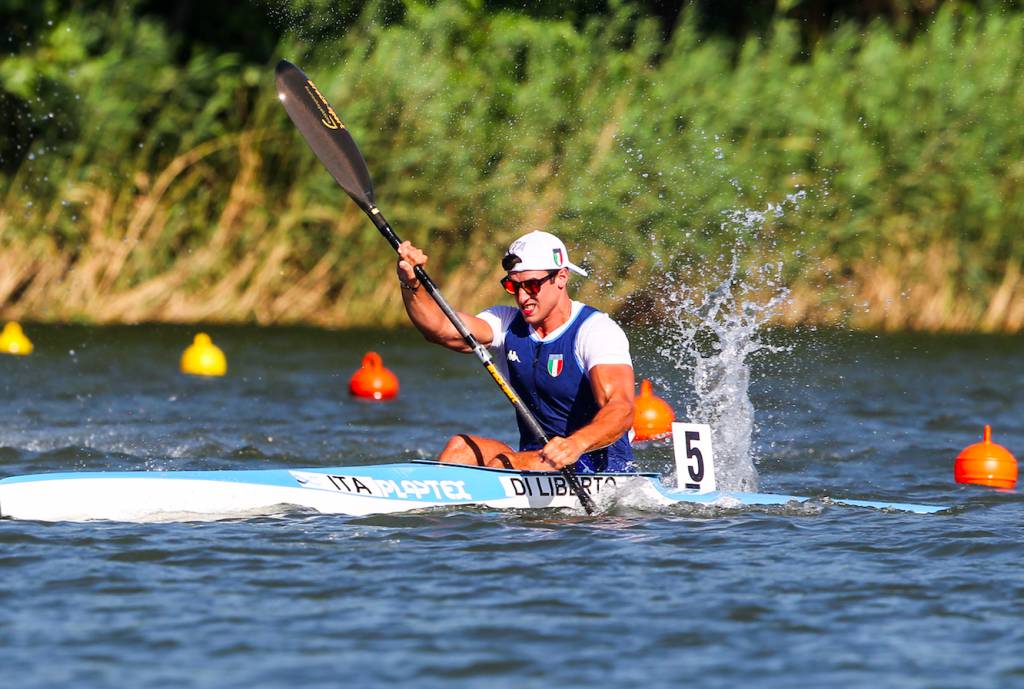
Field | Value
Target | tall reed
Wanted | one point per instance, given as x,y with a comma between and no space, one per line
159,191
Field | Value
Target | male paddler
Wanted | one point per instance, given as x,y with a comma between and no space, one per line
568,362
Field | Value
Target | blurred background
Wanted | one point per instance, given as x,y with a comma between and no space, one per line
872,151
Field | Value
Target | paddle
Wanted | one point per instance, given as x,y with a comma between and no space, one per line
323,130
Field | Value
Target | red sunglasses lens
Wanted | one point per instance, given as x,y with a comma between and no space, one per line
532,286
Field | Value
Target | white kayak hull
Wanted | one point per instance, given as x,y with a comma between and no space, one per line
378,489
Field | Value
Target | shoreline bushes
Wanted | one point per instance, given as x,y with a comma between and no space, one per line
155,190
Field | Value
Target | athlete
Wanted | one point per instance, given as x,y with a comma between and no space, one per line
567,361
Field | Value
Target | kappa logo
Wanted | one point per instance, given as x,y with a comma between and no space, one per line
555,365
513,356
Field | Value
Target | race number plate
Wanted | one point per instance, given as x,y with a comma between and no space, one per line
695,465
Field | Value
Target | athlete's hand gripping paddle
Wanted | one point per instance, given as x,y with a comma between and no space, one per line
323,130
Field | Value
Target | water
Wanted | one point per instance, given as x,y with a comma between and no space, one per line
480,598
712,340
714,315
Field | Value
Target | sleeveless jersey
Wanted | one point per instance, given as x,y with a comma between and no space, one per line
553,385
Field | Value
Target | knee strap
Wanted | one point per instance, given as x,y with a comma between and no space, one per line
505,461
475,448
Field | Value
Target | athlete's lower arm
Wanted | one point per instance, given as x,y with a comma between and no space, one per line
612,385
434,325
610,422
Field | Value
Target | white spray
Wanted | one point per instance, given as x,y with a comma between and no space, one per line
711,335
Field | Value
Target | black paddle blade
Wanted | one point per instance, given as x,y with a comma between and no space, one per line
324,132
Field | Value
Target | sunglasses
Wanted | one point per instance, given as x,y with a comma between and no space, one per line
532,286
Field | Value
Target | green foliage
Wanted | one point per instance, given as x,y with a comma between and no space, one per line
478,123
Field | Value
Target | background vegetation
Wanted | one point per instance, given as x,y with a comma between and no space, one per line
876,150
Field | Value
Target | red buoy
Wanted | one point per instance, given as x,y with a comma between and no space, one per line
986,464
372,380
652,416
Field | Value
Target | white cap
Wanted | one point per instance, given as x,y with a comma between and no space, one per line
538,251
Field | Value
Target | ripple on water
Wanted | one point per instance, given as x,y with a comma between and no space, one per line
797,595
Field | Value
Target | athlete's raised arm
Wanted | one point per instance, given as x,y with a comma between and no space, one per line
424,312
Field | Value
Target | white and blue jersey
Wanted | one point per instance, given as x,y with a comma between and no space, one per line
551,375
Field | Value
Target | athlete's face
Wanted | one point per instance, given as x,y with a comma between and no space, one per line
537,292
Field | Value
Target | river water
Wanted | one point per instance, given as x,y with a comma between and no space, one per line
821,596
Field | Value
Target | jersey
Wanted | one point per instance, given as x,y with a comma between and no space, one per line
551,375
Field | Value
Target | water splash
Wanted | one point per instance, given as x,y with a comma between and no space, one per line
712,335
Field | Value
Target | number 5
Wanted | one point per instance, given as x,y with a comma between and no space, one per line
695,468
692,452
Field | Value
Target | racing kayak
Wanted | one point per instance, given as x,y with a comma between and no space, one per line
358,490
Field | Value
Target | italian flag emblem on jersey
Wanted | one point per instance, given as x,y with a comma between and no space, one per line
555,365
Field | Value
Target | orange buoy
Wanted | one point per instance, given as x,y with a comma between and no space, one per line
653,416
986,464
372,380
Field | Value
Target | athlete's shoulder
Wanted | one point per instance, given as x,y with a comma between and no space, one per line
597,323
499,316
502,311
500,319
600,340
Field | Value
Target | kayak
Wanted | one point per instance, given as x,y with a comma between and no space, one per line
138,496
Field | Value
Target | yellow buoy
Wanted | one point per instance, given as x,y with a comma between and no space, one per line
13,340
203,358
